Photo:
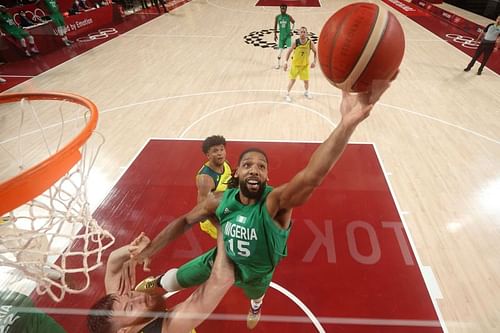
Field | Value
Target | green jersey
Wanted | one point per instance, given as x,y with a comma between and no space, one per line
284,25
52,6
253,241
18,315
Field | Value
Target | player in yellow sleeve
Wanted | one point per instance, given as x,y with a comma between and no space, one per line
300,62
214,175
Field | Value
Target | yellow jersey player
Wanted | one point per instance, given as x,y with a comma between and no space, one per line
214,175
300,62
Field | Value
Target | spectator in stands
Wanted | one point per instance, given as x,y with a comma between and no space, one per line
24,21
163,4
10,28
144,4
58,20
75,8
83,4
490,40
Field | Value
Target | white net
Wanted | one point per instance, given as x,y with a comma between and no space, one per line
52,239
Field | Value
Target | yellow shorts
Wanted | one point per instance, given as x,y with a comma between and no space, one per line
301,71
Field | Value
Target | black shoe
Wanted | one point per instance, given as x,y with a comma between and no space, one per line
466,69
479,72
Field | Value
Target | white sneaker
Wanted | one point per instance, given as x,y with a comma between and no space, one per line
308,95
277,67
288,99
2,80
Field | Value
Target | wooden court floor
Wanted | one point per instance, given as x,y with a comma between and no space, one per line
189,74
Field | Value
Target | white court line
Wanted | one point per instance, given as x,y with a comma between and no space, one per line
173,36
301,305
8,75
251,103
412,243
401,109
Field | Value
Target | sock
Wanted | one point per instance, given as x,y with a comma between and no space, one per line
256,303
168,281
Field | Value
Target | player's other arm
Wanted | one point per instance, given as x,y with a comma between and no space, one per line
205,184
288,54
292,21
177,227
315,53
118,270
354,109
275,28
204,299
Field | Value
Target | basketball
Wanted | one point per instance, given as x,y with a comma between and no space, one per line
358,44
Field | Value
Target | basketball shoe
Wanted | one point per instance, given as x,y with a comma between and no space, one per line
150,285
253,317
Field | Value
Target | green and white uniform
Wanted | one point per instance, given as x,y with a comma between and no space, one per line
284,26
253,241
55,14
18,315
10,27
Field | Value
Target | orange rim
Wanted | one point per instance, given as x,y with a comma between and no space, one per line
34,181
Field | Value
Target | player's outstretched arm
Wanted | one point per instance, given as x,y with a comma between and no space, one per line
193,311
119,268
354,108
203,210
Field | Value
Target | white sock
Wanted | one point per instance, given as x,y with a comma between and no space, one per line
169,281
256,303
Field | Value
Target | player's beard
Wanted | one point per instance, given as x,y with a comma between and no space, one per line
250,194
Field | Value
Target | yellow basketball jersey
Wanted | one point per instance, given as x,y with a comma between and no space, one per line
301,53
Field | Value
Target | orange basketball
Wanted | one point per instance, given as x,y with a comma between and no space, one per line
360,43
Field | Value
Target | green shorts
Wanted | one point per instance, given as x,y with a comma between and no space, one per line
284,41
16,32
197,271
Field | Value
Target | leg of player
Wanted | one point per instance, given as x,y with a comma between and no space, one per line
254,313
280,51
290,85
306,87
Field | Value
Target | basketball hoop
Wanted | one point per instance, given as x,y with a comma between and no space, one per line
48,232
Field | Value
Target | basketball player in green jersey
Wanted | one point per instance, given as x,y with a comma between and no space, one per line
58,20
19,315
213,176
256,218
300,62
286,24
10,27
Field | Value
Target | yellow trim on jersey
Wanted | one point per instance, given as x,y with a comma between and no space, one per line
224,178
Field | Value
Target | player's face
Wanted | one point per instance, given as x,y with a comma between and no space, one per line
283,9
303,33
135,308
252,173
217,155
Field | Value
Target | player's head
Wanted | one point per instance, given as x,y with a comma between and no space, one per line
215,148
113,311
283,8
252,173
303,32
